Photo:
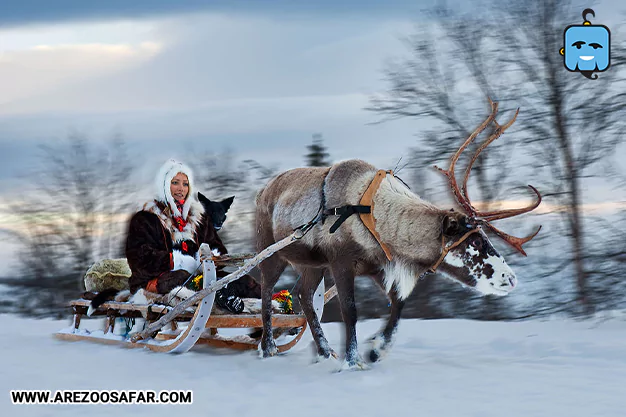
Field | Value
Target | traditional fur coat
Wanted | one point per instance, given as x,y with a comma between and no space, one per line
153,235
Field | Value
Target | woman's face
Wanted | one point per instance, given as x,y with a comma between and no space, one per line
179,187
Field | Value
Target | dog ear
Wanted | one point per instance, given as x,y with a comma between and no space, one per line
202,198
226,203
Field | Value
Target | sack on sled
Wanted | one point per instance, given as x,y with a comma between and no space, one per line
108,273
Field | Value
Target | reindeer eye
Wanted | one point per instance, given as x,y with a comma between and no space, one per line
477,242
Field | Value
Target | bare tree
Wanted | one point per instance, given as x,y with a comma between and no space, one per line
572,123
220,173
223,175
73,212
432,86
568,123
441,82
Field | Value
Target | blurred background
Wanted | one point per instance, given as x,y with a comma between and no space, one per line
95,97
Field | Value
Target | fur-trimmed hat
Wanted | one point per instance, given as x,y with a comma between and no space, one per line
163,180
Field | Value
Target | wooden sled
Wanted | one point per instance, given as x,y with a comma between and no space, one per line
194,325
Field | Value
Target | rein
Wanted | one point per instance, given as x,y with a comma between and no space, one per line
447,248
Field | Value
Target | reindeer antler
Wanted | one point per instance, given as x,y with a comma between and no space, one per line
461,195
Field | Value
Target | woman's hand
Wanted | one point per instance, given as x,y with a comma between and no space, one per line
186,262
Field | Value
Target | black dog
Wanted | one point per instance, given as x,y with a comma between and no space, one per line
246,286
216,209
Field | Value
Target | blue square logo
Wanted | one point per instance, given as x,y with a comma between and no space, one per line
587,47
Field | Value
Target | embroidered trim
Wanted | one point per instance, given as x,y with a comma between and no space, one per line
193,220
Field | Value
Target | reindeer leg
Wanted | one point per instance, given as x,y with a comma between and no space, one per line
383,340
271,269
344,279
309,280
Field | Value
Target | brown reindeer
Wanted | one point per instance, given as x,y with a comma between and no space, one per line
400,239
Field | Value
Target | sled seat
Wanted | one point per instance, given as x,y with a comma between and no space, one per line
218,319
202,324
151,313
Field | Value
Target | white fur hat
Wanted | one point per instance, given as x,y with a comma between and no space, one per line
163,180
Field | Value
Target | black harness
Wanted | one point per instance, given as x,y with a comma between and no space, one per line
343,212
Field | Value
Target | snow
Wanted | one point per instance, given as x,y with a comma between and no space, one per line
444,368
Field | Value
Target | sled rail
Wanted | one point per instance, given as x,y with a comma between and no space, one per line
216,320
202,324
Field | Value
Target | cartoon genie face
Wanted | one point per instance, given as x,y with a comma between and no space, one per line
587,48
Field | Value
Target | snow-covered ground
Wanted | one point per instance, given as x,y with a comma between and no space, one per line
437,368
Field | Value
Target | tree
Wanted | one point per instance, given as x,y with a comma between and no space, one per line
222,175
317,156
73,212
432,85
570,124
567,127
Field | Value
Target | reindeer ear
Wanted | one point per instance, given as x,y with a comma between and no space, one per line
451,225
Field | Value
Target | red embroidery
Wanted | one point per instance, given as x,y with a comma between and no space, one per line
152,285
180,223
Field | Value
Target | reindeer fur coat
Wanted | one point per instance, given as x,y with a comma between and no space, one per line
153,236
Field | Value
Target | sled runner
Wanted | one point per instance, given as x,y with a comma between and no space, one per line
194,320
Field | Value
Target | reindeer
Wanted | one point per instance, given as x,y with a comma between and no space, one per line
398,238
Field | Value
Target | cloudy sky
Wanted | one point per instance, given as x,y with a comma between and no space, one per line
254,77
258,78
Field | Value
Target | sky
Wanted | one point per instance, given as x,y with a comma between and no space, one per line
255,78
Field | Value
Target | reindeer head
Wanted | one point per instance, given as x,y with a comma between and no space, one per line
467,254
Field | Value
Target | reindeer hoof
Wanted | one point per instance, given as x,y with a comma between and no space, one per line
269,354
269,350
356,365
380,348
330,354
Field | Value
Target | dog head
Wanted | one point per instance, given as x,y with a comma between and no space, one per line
216,210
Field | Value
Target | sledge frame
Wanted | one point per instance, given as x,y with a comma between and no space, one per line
202,327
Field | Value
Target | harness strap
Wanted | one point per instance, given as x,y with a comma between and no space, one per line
344,212
445,249
365,209
367,199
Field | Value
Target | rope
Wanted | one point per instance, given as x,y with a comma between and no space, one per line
294,284
305,228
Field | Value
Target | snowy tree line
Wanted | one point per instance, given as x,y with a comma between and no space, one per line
566,134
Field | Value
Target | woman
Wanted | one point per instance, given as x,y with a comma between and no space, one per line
165,235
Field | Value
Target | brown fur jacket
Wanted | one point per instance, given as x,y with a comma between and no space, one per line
152,237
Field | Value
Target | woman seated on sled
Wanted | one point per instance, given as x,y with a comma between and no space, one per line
165,235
